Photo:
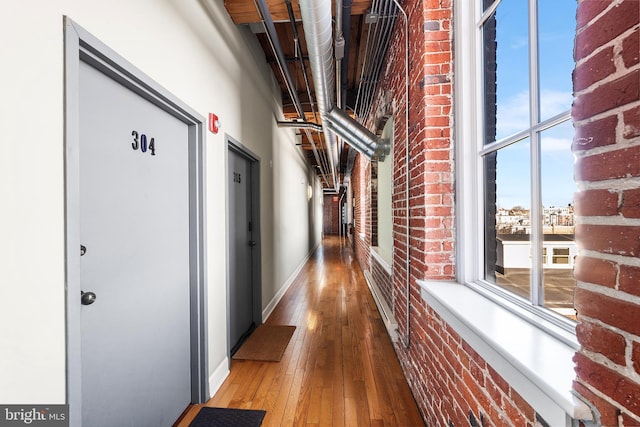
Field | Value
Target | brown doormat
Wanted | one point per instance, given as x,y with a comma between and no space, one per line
266,343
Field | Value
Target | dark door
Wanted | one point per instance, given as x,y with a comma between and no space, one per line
242,241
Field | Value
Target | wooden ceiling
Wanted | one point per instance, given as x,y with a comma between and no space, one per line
245,12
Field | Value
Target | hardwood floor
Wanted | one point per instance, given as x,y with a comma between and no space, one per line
339,368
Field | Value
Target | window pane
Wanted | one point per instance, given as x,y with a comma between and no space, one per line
506,70
558,227
507,213
556,31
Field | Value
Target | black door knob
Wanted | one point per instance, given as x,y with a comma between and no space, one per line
87,298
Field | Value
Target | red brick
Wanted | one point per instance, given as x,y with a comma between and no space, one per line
514,414
596,203
608,413
631,49
635,356
632,123
614,22
631,203
594,134
621,389
611,165
494,392
524,407
587,10
629,280
618,313
608,96
600,340
595,69
477,373
610,239
597,271
629,421
498,380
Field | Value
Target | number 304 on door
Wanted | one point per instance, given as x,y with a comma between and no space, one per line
140,143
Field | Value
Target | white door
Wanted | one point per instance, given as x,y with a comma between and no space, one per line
134,232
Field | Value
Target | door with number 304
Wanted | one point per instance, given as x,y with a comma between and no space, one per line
135,267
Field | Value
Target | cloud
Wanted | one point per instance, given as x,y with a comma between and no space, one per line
551,144
553,102
519,43
513,113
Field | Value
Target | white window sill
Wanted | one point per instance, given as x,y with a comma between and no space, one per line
381,258
534,362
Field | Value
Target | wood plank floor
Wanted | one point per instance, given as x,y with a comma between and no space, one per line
339,368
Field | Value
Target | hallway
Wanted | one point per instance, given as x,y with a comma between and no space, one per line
339,367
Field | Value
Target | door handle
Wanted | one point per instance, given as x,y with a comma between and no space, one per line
87,298
252,243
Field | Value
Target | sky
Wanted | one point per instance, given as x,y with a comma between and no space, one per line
556,25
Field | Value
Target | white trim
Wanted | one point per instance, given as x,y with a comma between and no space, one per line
266,312
385,311
218,376
534,363
375,253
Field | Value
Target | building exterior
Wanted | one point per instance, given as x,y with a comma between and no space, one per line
475,350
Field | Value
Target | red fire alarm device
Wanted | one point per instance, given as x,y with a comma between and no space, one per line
214,123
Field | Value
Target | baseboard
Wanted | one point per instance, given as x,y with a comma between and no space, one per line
218,376
384,309
292,278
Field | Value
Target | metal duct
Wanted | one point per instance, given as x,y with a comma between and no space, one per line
316,19
300,125
272,36
357,135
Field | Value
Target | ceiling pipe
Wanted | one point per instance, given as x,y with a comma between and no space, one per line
358,136
272,36
316,19
344,65
300,125
299,57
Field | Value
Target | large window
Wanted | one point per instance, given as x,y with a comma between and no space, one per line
526,56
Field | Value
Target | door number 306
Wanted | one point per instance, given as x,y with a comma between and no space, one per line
140,143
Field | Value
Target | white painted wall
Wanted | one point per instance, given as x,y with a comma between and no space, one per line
204,60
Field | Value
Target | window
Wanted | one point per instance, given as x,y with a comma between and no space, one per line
526,56
381,183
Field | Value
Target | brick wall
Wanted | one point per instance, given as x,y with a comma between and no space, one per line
361,183
331,214
606,115
451,383
384,280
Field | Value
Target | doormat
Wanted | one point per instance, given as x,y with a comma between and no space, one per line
228,417
266,343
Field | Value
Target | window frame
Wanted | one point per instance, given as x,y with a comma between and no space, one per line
470,151
384,223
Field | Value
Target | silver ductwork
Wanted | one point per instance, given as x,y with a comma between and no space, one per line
357,135
300,125
316,19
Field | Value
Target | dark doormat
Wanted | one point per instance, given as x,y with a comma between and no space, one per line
266,343
228,417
